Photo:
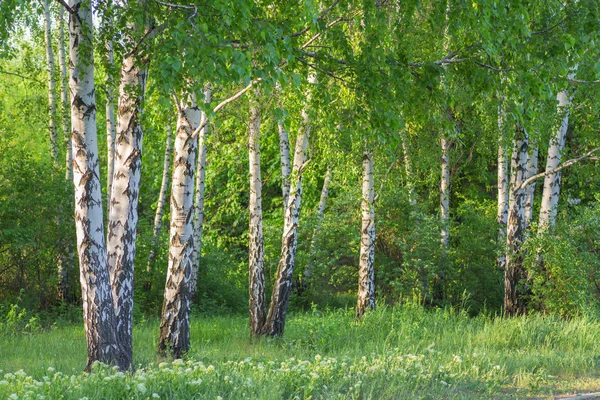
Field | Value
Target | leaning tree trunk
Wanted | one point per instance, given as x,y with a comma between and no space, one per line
199,198
123,214
98,311
161,201
256,239
110,121
532,165
502,215
175,316
515,230
282,288
552,181
51,84
366,269
284,153
320,214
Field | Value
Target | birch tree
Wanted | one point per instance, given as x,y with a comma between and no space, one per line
51,83
502,182
366,269
175,316
98,311
64,96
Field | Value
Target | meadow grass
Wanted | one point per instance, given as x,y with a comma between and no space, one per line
395,352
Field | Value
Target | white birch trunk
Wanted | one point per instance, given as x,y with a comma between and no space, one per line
275,323
284,153
515,230
161,199
123,214
98,311
532,165
51,84
410,185
175,316
366,269
110,122
445,192
199,198
502,215
256,238
552,181
64,96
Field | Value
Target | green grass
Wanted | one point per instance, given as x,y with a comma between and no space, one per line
400,352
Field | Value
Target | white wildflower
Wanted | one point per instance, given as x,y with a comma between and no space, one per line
155,396
141,388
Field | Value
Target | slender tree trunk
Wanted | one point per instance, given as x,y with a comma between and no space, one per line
199,198
256,239
532,165
410,185
445,192
320,214
275,323
110,122
502,216
98,311
64,96
552,181
515,231
161,200
175,316
366,269
123,214
284,151
51,84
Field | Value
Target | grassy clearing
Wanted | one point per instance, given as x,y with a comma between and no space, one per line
400,352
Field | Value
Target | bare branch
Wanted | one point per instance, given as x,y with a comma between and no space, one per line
66,6
19,76
223,104
564,165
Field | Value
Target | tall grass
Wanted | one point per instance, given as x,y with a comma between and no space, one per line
397,352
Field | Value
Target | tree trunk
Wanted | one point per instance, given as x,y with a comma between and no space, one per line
256,239
123,214
280,298
161,200
64,96
199,198
515,231
175,316
320,214
110,122
502,216
552,181
98,311
410,185
444,192
366,269
51,84
532,165
284,151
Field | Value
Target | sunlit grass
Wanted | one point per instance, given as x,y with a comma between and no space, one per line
399,352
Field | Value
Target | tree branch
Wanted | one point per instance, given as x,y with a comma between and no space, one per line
20,76
564,165
223,104
66,6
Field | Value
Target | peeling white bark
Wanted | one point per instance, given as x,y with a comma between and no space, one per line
161,199
445,192
98,311
175,316
366,269
551,190
111,129
51,83
256,238
502,215
199,198
275,323
515,229
123,214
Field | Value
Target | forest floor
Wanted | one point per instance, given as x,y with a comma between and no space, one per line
395,352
